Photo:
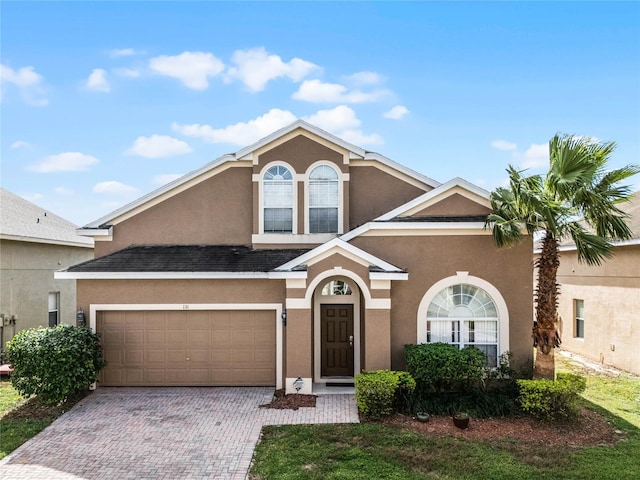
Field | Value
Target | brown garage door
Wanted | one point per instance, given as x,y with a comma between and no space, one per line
180,348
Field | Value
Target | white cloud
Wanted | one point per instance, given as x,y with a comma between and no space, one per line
192,68
317,91
97,81
122,52
396,113
165,178
127,72
65,162
503,145
242,133
535,156
114,188
364,78
63,191
358,138
255,68
21,144
158,146
28,82
335,120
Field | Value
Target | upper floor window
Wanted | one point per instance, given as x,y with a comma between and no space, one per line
323,200
465,316
278,200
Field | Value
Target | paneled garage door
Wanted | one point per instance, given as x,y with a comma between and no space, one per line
188,348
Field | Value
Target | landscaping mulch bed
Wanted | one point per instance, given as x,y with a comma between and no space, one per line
589,429
292,401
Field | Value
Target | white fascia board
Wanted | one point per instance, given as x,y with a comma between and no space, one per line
160,191
399,227
305,126
571,248
47,241
436,192
401,168
388,276
339,244
64,275
95,232
288,275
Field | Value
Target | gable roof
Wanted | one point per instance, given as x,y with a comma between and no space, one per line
375,264
180,261
24,221
243,155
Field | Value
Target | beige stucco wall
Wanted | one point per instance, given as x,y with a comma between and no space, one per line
26,279
611,295
455,204
431,259
214,212
374,193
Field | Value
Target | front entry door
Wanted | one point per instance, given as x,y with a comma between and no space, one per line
337,340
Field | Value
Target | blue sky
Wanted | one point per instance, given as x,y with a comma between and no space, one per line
103,102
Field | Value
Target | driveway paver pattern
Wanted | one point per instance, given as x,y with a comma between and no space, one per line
162,433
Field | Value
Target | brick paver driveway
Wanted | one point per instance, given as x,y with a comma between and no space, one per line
161,433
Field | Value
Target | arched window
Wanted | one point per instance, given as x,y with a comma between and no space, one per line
336,287
278,200
466,316
323,200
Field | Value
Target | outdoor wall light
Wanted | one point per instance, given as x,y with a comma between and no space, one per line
298,383
80,318
284,317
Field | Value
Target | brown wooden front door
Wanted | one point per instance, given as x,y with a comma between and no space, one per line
337,340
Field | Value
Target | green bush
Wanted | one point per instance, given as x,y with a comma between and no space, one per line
54,363
440,367
380,392
552,400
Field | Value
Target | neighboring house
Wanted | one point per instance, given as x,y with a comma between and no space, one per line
301,258
34,243
599,307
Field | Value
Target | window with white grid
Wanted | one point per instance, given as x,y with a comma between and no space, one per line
323,200
465,316
277,200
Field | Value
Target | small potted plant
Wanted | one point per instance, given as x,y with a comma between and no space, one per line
461,420
422,416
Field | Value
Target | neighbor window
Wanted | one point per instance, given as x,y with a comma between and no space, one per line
323,200
465,316
54,308
278,200
579,309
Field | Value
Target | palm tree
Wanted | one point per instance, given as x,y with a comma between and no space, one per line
577,199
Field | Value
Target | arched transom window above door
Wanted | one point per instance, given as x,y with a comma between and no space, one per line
465,316
277,200
336,287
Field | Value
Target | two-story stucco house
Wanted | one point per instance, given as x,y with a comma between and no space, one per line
301,256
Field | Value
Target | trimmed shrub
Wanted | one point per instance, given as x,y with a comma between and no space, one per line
54,363
552,400
380,392
440,367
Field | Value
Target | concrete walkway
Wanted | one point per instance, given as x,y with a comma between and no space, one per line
161,433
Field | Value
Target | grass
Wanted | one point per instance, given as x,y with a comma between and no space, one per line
364,451
21,419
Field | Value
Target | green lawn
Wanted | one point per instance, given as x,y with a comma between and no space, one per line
22,419
373,451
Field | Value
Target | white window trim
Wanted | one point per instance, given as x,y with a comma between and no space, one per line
342,178
465,278
576,318
294,182
94,308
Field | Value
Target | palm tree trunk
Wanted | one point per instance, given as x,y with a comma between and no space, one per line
545,335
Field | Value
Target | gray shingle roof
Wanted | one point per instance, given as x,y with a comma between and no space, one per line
190,258
26,221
